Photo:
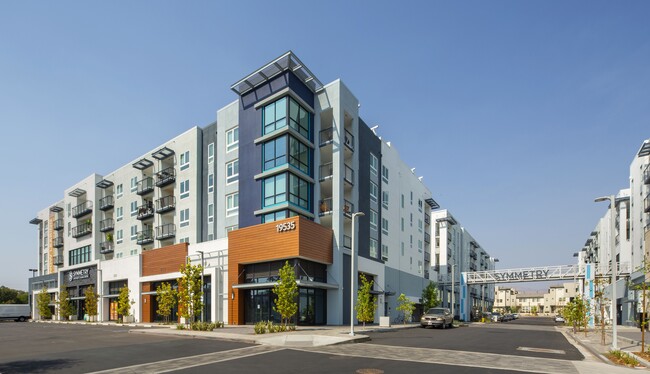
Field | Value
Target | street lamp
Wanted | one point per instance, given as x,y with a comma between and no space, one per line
612,248
30,289
33,272
202,288
352,276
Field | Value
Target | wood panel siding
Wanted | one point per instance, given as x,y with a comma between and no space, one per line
147,313
164,260
263,243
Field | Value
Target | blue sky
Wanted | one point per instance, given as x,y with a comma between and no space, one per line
517,113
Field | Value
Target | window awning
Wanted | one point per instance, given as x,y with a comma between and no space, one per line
142,164
104,183
77,192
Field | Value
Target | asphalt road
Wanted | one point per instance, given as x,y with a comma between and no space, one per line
56,348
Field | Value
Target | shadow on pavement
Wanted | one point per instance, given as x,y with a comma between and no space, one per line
36,366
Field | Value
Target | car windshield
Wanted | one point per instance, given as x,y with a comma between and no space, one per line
436,311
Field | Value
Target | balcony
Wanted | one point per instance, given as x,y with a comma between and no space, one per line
58,224
165,177
145,186
426,274
472,254
106,203
82,209
347,242
58,242
647,203
165,204
348,208
349,140
144,237
106,247
165,231
325,207
145,211
106,225
58,260
326,136
646,175
82,230
349,175
427,219
427,237
325,171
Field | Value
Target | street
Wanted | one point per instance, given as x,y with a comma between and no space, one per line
524,345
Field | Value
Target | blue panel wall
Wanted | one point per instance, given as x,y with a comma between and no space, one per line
368,142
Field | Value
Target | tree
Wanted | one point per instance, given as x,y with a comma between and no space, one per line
190,294
91,301
11,296
430,296
286,291
124,302
66,309
576,313
533,310
43,304
166,298
405,306
366,302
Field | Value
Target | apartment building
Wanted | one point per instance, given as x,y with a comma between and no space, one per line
279,176
508,299
456,251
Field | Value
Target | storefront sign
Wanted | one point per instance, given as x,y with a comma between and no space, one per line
521,275
74,275
287,226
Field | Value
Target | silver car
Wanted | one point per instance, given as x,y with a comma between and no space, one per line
440,317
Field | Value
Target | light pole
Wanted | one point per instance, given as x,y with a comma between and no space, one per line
31,292
612,248
352,272
202,289
453,291
33,272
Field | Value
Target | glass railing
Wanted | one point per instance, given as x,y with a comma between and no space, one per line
58,242
165,231
58,224
82,209
165,204
165,177
325,206
145,186
326,136
144,237
349,175
82,230
326,171
106,225
106,247
347,242
145,210
106,203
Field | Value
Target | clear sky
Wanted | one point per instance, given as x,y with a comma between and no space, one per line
516,113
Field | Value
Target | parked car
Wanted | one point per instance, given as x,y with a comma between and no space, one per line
17,312
559,318
440,317
497,317
516,315
508,317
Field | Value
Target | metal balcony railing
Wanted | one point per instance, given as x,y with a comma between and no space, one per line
145,186
165,204
58,224
106,247
646,175
326,136
348,208
325,171
427,237
165,177
165,231
106,225
325,206
349,175
349,140
427,219
145,211
82,230
82,209
144,237
106,203
58,260
58,242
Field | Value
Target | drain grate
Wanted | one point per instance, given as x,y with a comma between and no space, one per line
542,350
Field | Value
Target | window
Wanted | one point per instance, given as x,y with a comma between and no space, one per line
210,213
119,213
210,153
119,237
185,160
402,223
211,183
79,255
411,197
69,207
402,201
419,224
184,240
275,153
232,172
119,191
299,118
275,216
384,252
298,155
134,208
185,189
232,139
402,249
373,248
419,266
374,192
420,205
275,190
384,173
70,228
374,164
134,184
373,220
411,241
185,217
134,232
134,252
419,245
384,226
232,204
298,192
275,116
411,219
384,199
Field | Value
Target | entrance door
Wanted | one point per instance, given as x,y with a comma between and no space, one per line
112,306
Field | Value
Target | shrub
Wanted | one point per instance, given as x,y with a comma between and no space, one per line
180,326
264,327
203,326
623,358
260,327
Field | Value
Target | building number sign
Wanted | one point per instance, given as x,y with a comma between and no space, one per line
287,226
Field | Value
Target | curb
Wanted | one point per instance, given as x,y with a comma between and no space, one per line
589,348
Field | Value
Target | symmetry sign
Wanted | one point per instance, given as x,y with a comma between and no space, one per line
520,275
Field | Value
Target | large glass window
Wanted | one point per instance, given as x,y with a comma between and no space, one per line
298,118
79,255
373,219
298,192
374,192
232,172
373,248
299,155
275,152
210,152
232,204
275,190
185,160
275,116
374,164
232,139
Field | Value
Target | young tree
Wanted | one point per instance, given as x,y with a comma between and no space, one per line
43,304
190,294
366,302
405,306
66,309
91,301
430,296
166,298
286,291
576,313
124,302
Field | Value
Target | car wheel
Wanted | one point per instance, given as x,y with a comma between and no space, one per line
451,324
444,325
21,319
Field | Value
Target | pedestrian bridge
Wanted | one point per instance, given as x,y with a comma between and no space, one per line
544,273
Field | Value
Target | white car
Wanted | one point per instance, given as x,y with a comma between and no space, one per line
559,319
